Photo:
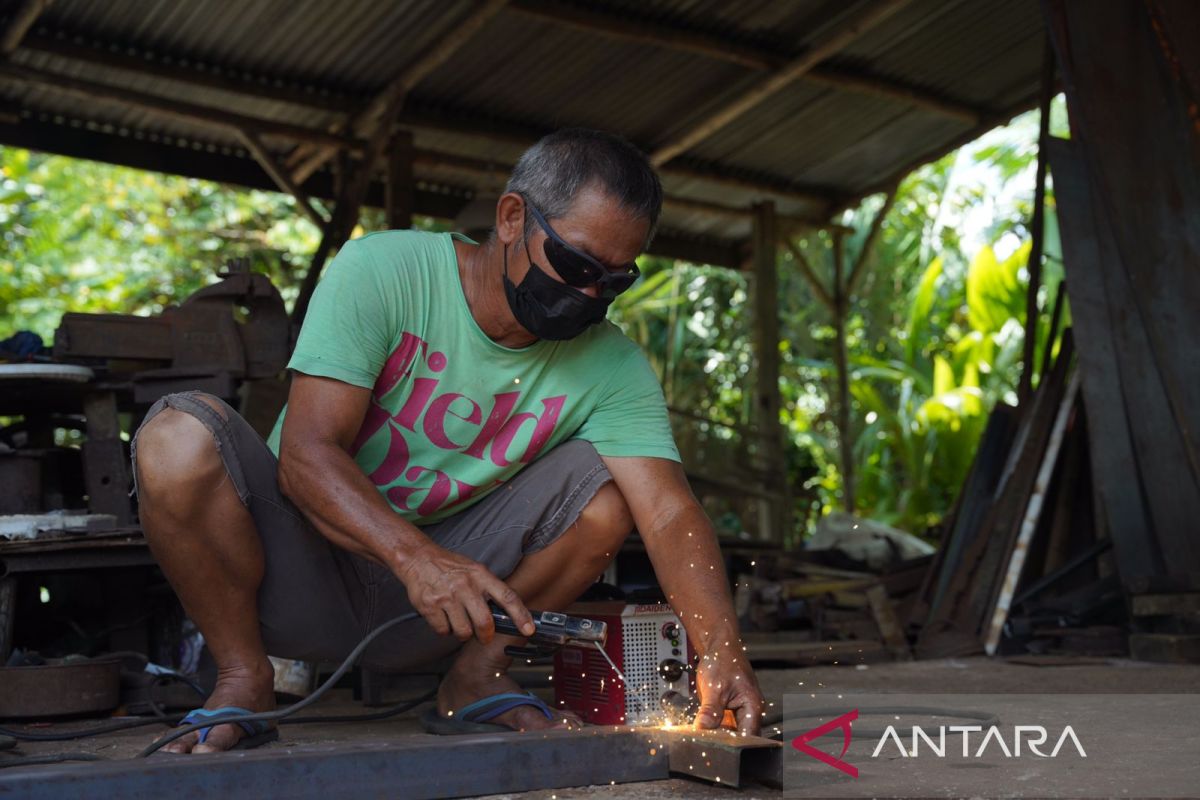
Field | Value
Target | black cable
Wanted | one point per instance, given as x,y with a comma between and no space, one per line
115,727
400,708
279,714
56,758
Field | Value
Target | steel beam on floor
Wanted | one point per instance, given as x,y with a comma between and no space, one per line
723,757
415,768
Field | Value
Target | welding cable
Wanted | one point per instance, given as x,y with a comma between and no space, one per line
281,713
55,758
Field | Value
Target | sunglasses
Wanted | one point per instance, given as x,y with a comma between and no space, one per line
578,269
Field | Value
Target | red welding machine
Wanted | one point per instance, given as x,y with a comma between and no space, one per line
649,646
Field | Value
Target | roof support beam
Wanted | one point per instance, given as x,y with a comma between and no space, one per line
722,48
824,47
399,87
524,134
267,161
24,18
188,112
860,263
494,174
646,32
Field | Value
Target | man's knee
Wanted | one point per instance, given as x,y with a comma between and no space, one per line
174,448
607,516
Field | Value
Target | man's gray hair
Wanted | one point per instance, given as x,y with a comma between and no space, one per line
553,172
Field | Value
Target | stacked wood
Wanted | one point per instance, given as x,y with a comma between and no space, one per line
1128,189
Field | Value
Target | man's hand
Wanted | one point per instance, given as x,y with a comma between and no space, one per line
725,680
451,592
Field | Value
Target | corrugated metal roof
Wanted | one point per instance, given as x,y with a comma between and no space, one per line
303,62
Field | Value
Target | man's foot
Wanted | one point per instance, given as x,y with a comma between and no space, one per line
251,688
482,671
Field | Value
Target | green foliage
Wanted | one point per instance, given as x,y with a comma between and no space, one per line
84,236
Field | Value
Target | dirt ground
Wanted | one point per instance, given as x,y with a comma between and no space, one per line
968,675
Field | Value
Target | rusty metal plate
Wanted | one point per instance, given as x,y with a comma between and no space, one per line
60,689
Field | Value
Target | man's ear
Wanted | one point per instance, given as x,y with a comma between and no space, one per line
510,218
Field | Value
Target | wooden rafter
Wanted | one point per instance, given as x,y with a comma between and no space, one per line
23,18
818,289
825,46
860,263
399,87
647,32
722,48
284,181
188,112
524,134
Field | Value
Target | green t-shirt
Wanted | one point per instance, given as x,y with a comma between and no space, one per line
453,414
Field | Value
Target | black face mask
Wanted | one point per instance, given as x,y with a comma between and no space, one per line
549,309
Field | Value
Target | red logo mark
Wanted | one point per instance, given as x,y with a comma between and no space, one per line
801,742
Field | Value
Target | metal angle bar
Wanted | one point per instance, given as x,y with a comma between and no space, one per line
723,757
419,768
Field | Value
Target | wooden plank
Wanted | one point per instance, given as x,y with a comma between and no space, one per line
957,622
1111,445
1166,605
1165,648
889,626
1143,166
1029,524
976,493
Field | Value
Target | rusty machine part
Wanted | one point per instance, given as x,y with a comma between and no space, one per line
60,689
236,329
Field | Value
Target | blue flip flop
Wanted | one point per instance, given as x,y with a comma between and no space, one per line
473,718
257,731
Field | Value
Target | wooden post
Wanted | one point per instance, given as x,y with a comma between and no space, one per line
774,514
1037,232
106,468
398,191
841,360
351,194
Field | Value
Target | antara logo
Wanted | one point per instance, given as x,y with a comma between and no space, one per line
1032,736
843,722
1035,735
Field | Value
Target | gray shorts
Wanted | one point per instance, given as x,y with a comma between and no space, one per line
317,601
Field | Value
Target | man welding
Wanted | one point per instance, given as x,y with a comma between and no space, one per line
463,427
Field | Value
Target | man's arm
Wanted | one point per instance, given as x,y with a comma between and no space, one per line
683,548
318,474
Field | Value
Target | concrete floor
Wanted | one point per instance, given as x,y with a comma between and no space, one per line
968,675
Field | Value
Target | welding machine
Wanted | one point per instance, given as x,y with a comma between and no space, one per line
648,645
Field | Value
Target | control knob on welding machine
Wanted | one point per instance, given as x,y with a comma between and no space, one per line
672,669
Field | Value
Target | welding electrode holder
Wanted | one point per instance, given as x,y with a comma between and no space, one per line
552,631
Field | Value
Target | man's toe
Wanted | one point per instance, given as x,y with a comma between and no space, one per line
182,745
220,738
